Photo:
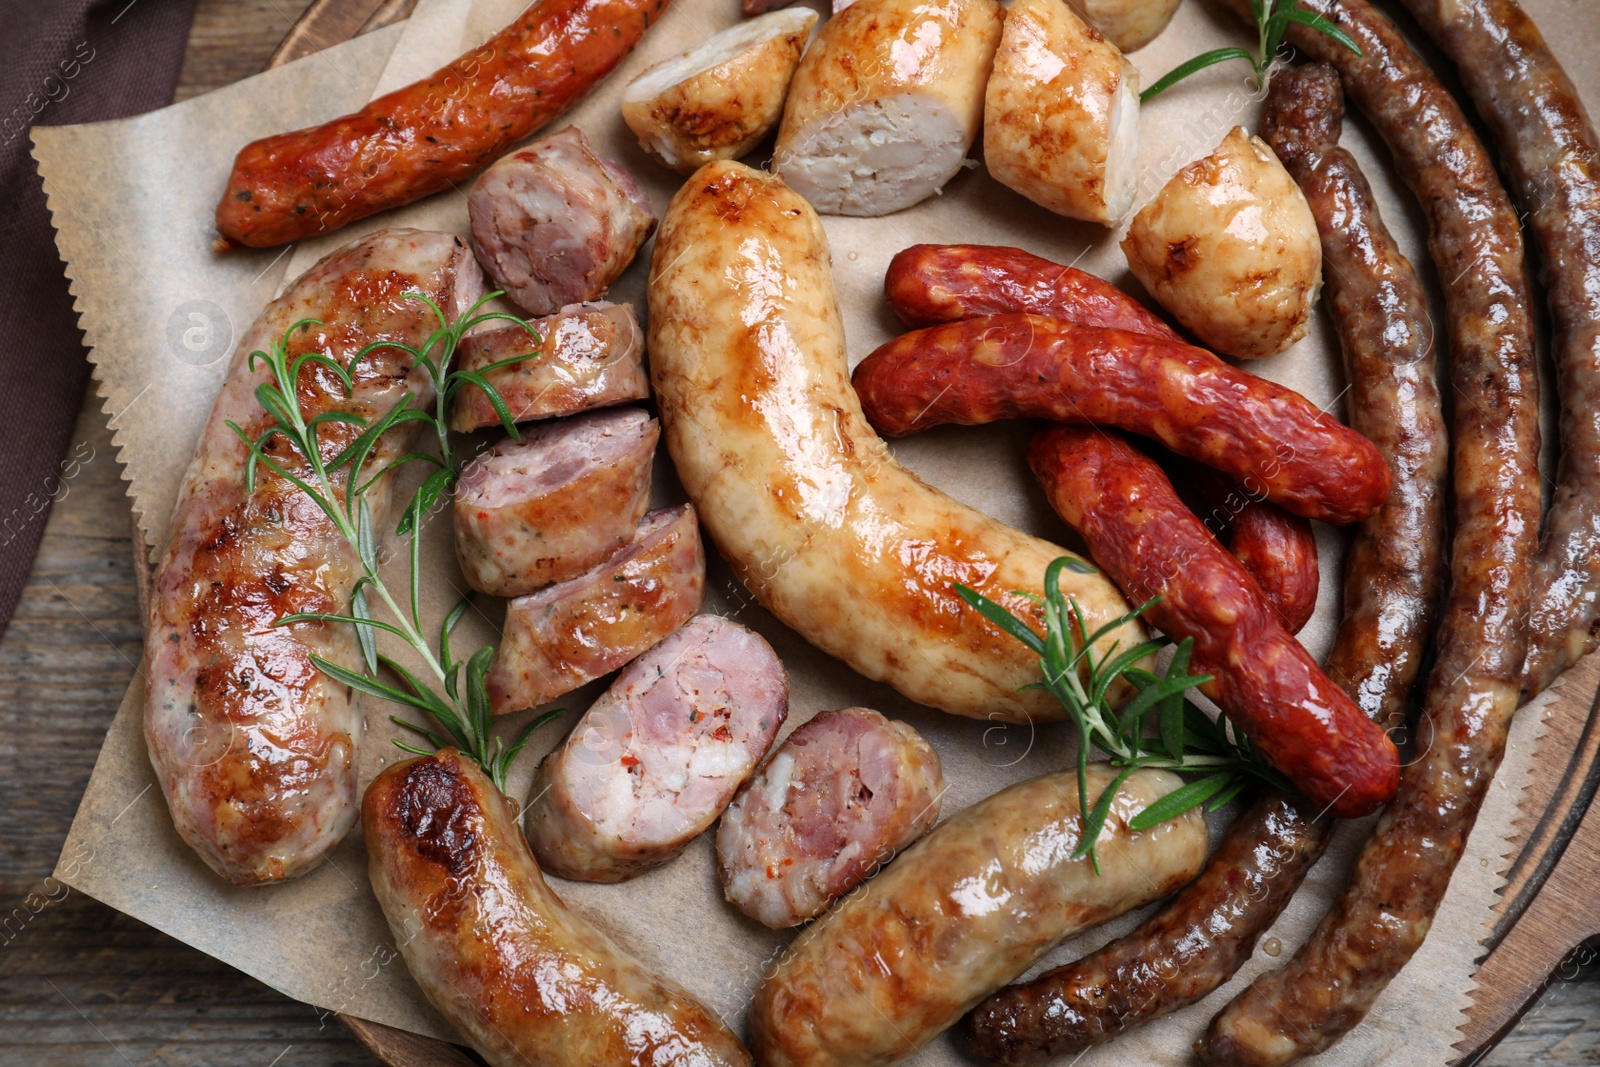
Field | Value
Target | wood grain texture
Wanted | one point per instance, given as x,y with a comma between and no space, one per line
81,984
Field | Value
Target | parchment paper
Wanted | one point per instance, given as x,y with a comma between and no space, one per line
132,201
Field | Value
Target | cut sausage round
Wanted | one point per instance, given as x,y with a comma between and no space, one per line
843,794
556,224
558,502
657,758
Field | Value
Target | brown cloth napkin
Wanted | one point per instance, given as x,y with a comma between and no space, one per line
61,61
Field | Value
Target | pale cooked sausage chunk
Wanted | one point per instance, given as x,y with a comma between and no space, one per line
839,798
555,224
560,501
658,757
573,632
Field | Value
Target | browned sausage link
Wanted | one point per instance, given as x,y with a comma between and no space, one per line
432,134
1550,155
1177,956
1277,548
1395,569
1028,366
1384,915
1141,534
931,284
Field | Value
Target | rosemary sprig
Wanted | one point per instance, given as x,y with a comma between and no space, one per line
1181,738
1272,23
339,487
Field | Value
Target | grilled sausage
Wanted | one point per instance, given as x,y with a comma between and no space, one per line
886,102
1276,548
843,794
1020,366
555,224
431,135
1138,530
553,505
657,758
963,911
573,632
584,356
1130,24
929,285
1396,565
747,354
254,748
523,979
1474,684
1550,156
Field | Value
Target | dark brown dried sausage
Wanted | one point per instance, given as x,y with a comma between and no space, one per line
1019,366
1550,156
433,134
1140,533
1383,917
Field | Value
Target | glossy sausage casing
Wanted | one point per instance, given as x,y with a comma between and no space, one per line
497,953
1027,366
254,748
1141,534
965,910
433,134
805,502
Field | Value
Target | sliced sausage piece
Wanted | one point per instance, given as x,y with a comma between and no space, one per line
571,633
433,134
1130,24
1061,114
839,798
965,910
253,747
584,356
555,224
886,103
1026,366
929,285
720,98
1474,684
564,499
1140,533
522,978
657,758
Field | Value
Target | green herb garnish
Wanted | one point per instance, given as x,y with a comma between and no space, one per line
1184,738
1272,23
339,487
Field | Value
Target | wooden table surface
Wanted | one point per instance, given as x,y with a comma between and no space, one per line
85,986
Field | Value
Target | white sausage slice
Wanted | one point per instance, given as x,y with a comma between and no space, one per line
839,798
555,224
886,103
1061,114
720,98
657,758
560,501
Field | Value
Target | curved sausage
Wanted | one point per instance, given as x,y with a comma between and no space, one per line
554,224
523,979
929,285
1141,534
804,501
1278,549
1474,685
1550,156
963,911
560,501
431,135
1026,366
254,748
843,794
573,632
584,356
657,758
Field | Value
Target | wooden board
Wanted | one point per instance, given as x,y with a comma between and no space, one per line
1551,904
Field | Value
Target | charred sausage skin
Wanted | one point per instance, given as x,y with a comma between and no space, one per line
1027,366
433,134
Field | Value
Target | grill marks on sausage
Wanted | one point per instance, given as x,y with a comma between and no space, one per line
437,809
